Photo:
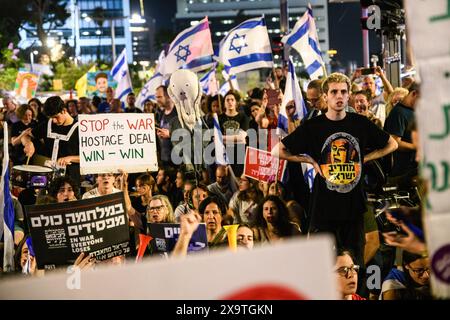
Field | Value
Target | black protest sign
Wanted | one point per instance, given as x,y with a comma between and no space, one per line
165,236
61,231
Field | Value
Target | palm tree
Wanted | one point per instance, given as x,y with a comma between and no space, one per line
99,17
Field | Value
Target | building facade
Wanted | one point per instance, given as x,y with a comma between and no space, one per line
89,36
226,14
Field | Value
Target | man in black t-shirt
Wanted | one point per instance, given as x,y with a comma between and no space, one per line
399,124
131,107
59,137
335,144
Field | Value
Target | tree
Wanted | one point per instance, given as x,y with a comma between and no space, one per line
45,15
12,15
99,17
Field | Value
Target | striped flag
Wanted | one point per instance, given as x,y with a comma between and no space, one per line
226,85
6,209
221,154
246,47
303,38
148,90
291,92
209,83
121,74
192,49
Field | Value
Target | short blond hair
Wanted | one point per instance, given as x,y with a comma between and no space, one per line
336,77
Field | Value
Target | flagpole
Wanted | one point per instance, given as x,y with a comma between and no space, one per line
324,70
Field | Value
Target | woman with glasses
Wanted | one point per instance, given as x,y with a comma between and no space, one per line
159,210
347,275
411,283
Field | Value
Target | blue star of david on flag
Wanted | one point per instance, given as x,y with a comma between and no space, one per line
124,73
182,53
237,43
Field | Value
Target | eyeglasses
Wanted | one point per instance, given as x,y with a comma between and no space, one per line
420,271
158,209
344,271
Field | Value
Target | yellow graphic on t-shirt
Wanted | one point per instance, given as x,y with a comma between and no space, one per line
338,171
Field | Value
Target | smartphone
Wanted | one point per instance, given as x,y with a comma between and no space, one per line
273,96
399,215
366,71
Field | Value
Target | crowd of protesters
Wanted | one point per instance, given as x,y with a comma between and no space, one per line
349,120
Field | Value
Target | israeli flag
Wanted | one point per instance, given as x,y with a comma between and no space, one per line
209,83
221,154
6,209
309,174
121,74
303,38
227,86
192,49
246,47
292,92
149,89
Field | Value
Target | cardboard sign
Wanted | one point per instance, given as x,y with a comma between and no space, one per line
260,165
26,84
293,269
438,243
165,236
428,20
61,231
109,142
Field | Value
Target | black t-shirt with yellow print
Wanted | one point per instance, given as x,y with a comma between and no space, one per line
339,148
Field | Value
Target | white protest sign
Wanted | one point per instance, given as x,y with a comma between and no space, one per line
109,142
433,117
296,269
428,20
438,241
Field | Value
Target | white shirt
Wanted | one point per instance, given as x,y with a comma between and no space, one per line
94,193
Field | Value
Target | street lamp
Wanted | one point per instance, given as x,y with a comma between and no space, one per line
32,54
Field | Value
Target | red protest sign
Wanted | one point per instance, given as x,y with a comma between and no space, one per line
261,165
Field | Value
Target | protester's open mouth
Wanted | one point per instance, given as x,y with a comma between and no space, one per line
352,284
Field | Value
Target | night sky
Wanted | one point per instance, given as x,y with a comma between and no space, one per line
344,28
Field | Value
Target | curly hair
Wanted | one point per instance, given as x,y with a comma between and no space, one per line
59,182
213,199
282,223
20,112
336,77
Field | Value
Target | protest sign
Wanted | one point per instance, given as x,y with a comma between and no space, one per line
61,231
98,82
439,247
26,84
293,269
430,19
109,142
165,236
260,165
